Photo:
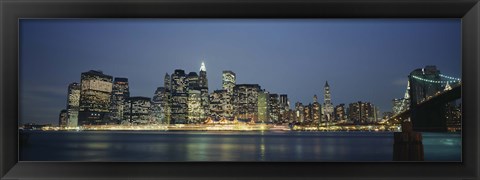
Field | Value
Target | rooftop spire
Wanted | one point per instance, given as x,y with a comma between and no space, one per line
326,84
203,68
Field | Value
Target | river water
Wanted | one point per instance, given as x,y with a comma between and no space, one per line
158,146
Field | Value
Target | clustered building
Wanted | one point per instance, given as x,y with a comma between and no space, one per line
101,99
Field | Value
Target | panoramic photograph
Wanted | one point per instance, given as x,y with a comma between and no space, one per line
240,90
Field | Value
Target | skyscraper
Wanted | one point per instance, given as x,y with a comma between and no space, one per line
120,92
137,110
361,112
228,81
158,109
262,105
339,112
274,108
245,101
167,100
194,105
327,105
285,114
95,95
179,103
203,83
73,104
316,110
63,118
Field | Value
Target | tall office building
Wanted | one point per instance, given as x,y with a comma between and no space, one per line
167,82
137,110
63,118
220,105
274,108
203,83
228,81
193,81
262,105
179,82
284,108
120,92
73,104
245,101
299,112
159,102
327,105
95,94
339,112
195,109
316,110
361,112
179,102
167,100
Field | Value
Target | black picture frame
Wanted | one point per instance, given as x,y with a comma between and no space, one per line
12,10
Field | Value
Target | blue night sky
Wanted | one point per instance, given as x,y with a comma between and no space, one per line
362,59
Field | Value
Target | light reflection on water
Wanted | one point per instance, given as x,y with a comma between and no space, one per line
228,146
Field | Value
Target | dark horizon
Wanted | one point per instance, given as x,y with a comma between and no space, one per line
356,57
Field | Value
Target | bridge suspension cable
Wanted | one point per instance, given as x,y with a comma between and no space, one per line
452,79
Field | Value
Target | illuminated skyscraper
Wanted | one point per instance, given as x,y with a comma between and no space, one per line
159,102
195,109
167,100
284,108
120,92
219,105
274,108
299,112
179,82
167,83
339,112
73,104
316,110
95,94
179,102
228,81
245,101
262,105
137,110
203,83
327,105
361,112
193,81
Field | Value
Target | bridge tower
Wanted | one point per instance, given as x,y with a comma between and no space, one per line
425,84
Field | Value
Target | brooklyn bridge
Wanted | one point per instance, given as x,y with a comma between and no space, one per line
426,98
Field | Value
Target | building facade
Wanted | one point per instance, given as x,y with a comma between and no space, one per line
120,92
245,101
95,95
316,110
340,112
205,99
262,105
274,108
137,111
194,104
63,118
73,104
361,112
327,110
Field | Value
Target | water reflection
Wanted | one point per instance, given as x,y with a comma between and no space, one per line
228,146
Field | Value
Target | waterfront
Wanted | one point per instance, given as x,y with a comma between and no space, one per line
182,146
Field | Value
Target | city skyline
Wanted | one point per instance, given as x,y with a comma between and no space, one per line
270,80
